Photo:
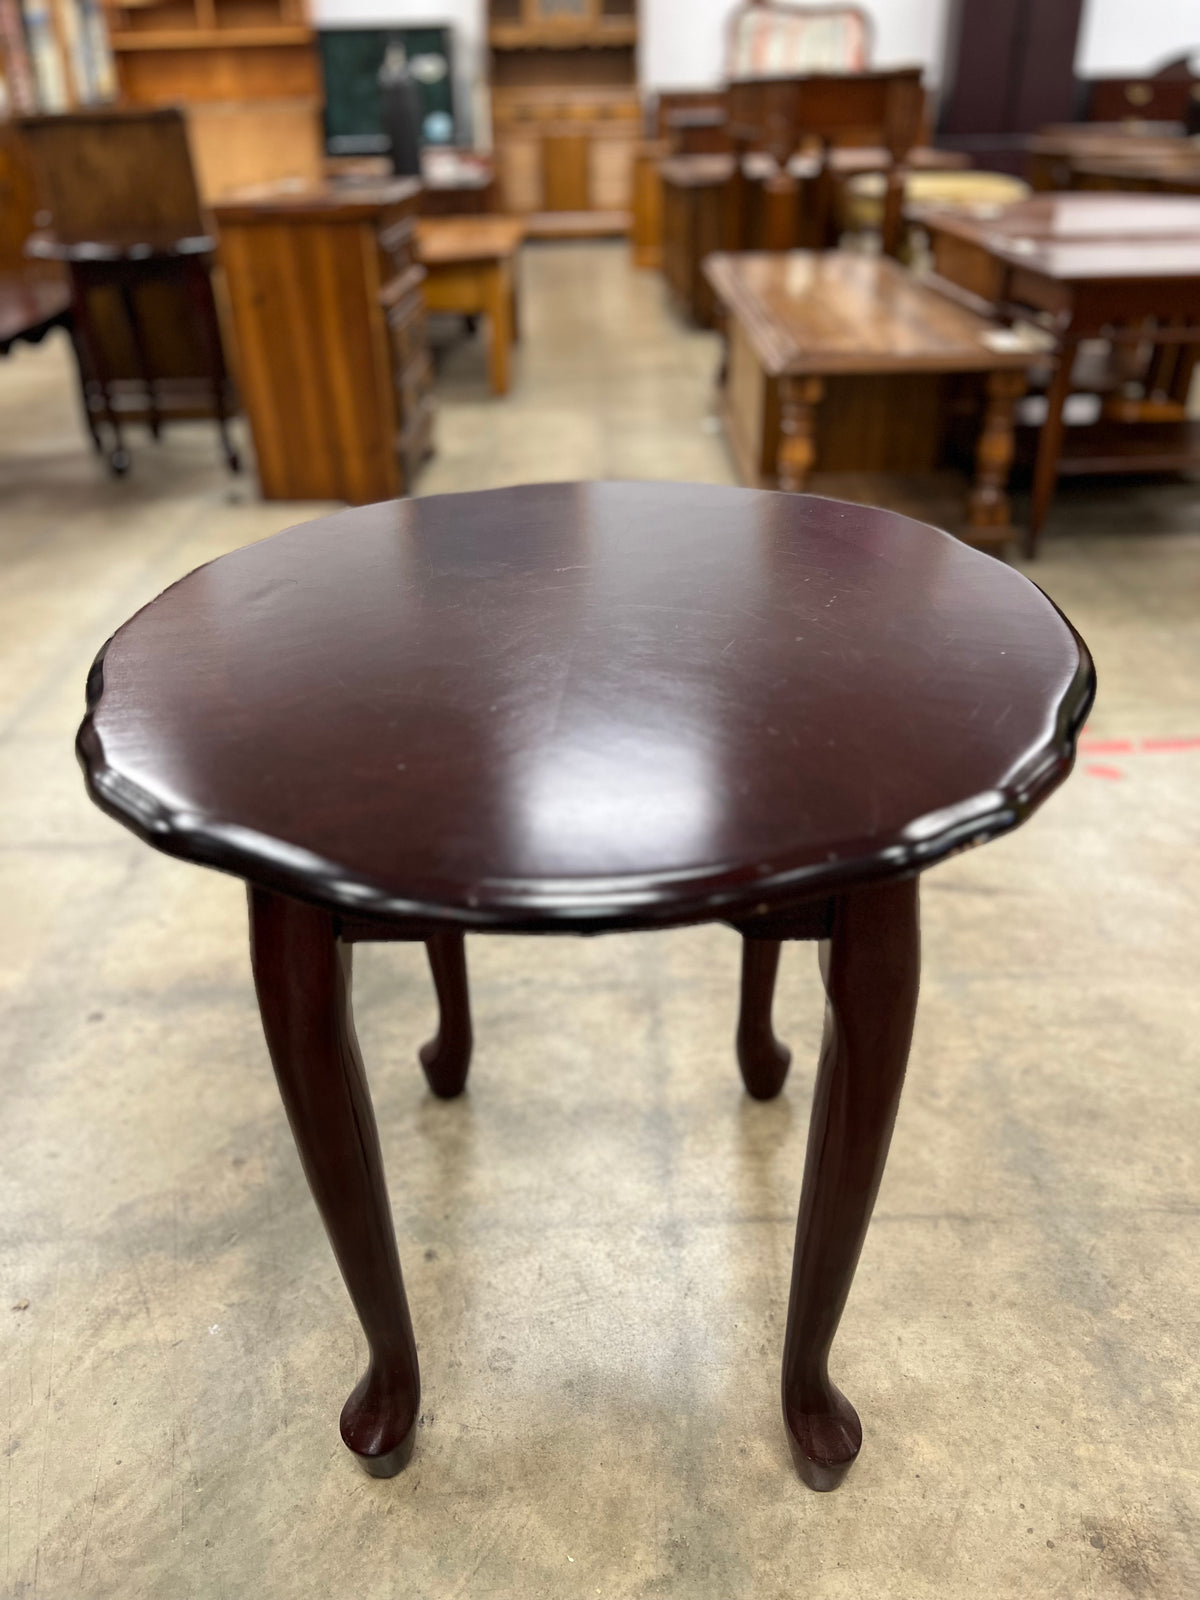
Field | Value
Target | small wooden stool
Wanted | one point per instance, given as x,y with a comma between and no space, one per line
576,708
470,264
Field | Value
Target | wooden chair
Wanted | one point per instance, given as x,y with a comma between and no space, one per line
126,222
779,119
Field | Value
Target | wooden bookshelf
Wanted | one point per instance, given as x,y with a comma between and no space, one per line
565,113
187,51
246,73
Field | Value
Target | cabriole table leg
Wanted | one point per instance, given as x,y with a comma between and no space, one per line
763,1060
302,976
447,1057
871,968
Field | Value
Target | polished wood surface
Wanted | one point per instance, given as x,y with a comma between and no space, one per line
839,311
1176,172
800,204
1124,268
574,707
838,361
1079,237
496,671
871,969
302,978
330,320
1052,154
470,265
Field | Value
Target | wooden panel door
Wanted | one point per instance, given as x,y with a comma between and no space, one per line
566,184
518,159
611,171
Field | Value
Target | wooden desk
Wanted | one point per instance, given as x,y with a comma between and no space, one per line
470,267
577,708
1052,154
844,362
1174,172
1122,267
330,320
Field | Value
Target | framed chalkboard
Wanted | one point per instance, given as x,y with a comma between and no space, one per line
351,59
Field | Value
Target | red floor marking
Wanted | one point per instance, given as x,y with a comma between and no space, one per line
1171,744
1112,747
1095,770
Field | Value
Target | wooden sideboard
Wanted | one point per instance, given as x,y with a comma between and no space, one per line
565,112
333,358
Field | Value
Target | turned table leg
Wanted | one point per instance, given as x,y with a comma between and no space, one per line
302,976
1049,446
499,301
798,401
988,506
763,1060
447,1057
871,968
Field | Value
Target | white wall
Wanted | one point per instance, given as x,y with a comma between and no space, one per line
1120,37
683,41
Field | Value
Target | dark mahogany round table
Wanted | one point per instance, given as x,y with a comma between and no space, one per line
574,708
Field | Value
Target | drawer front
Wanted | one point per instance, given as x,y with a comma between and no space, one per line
398,244
408,330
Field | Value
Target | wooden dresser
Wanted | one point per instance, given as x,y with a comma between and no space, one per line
333,358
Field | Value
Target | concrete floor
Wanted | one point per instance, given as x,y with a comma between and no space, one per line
597,1237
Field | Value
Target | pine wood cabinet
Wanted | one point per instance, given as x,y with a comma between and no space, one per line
565,111
334,362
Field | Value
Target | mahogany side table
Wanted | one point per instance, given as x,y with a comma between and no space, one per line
573,708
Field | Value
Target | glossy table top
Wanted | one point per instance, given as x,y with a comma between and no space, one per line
1082,234
578,706
828,311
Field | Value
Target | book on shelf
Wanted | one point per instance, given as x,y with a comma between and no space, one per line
54,54
18,89
49,68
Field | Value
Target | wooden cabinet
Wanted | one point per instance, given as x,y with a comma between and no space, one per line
565,111
246,73
334,362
